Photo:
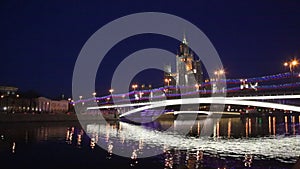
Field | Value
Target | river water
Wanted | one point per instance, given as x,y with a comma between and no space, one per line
256,142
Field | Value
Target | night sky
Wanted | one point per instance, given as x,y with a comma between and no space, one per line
40,41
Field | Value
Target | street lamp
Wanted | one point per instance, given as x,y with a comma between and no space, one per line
111,91
197,86
168,81
219,73
94,95
80,97
134,86
4,107
291,64
69,104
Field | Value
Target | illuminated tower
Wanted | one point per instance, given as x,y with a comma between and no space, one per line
188,69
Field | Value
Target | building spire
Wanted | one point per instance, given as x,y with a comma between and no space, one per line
184,41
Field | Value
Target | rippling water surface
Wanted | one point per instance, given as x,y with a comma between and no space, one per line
256,142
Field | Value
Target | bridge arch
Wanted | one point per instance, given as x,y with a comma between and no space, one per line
215,100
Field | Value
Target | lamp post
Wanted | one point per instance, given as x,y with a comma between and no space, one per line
80,98
291,64
2,103
134,86
197,86
69,104
168,80
111,91
218,73
94,96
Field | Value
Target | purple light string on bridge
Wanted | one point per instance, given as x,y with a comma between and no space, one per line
202,91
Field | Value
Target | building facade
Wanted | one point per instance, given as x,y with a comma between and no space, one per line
10,104
188,69
8,90
54,106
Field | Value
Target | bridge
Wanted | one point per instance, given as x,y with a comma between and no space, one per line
271,92
257,101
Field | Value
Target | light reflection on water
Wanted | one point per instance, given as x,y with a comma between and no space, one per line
245,137
247,141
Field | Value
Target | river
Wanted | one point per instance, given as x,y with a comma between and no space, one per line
256,142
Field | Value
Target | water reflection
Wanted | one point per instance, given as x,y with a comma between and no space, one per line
229,128
134,157
250,125
168,160
248,160
92,143
286,125
110,149
270,125
174,158
293,125
214,143
13,148
140,141
217,130
247,127
14,135
79,138
274,126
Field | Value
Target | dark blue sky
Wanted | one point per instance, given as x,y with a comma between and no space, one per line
40,41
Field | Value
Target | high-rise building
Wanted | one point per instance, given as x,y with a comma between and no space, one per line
188,69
